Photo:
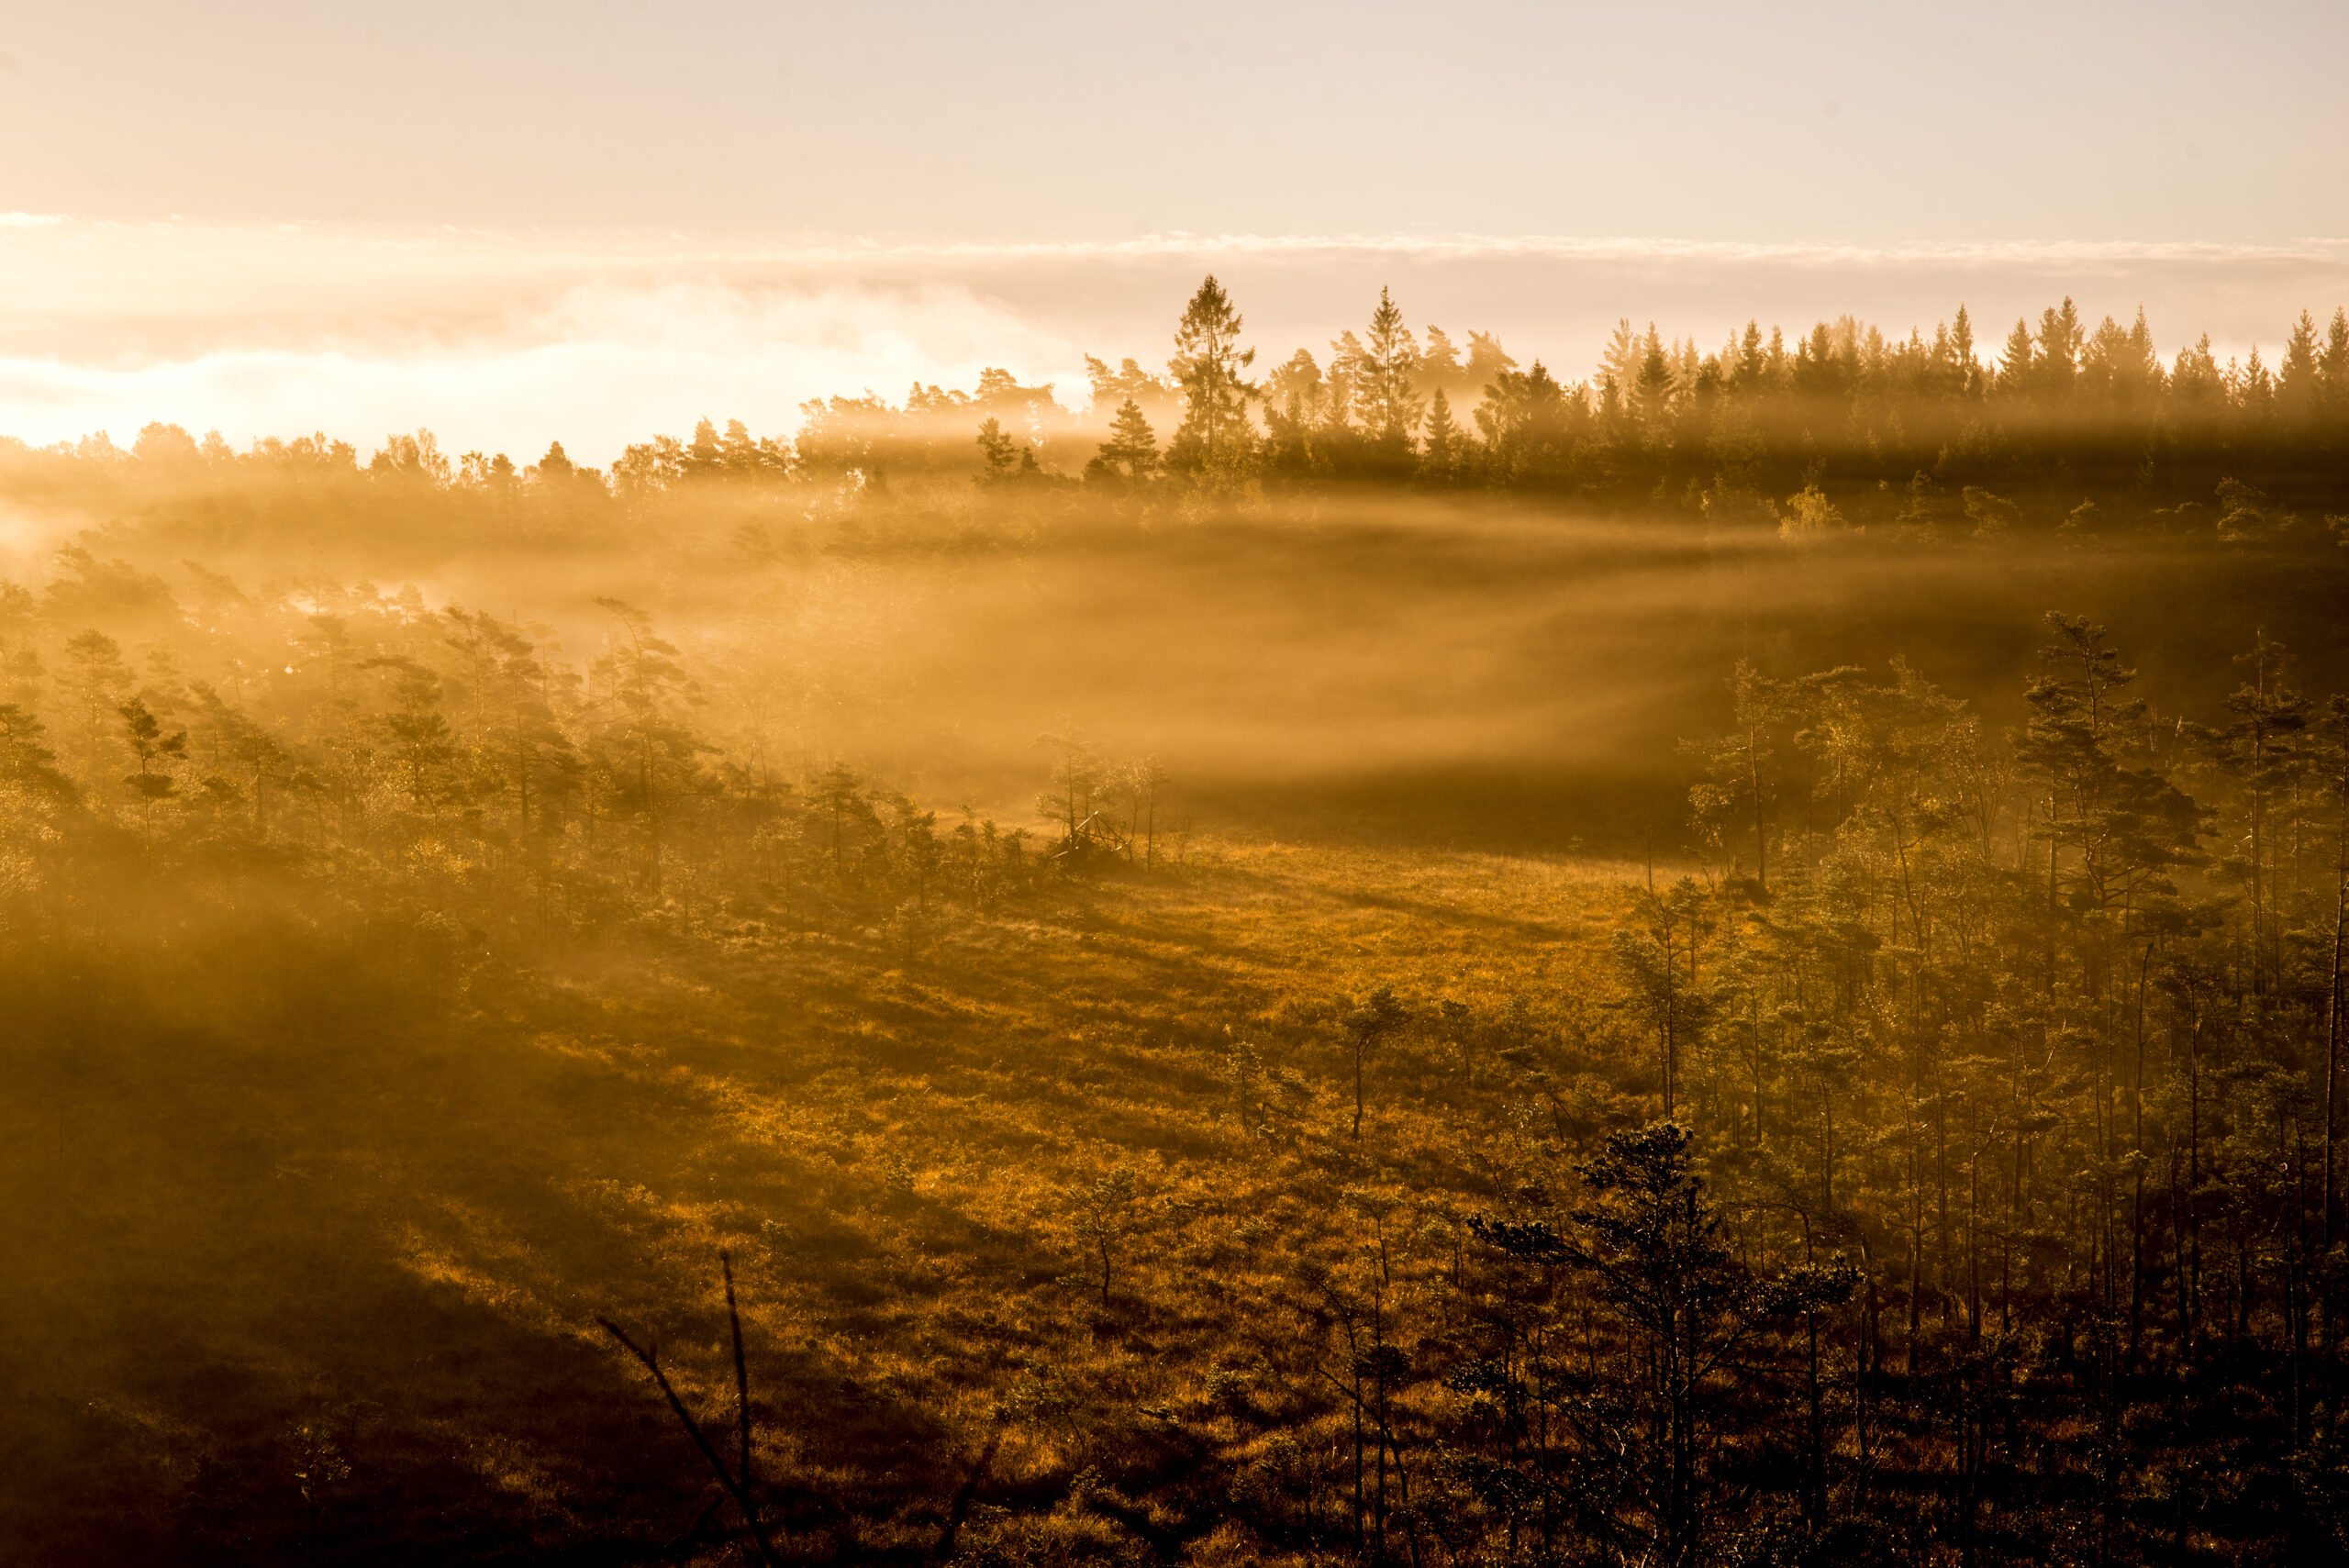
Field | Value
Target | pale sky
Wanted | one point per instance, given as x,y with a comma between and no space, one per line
615,217
1869,123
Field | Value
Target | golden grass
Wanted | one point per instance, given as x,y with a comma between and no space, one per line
423,1224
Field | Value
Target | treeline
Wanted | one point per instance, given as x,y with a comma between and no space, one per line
1843,427
2063,427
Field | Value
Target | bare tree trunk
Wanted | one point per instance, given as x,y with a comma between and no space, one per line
693,1429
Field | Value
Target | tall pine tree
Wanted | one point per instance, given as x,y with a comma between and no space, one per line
1214,437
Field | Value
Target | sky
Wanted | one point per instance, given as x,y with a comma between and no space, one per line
508,221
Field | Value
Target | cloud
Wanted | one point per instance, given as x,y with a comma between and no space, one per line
596,367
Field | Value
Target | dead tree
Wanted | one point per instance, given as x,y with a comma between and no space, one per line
737,1482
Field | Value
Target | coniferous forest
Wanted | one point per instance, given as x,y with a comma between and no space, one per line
1384,957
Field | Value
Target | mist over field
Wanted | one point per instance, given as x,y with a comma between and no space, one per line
1371,643
1263,787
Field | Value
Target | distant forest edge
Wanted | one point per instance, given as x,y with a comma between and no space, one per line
2067,429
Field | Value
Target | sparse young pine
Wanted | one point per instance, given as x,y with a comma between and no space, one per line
1104,1219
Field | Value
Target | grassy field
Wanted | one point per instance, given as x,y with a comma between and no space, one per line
291,1301
397,986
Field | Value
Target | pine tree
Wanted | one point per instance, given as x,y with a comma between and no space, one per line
1214,436
1737,803
1343,385
153,749
1745,377
704,460
2296,378
26,764
2262,749
96,676
1132,451
1528,424
1439,366
2254,391
2059,348
1104,1216
1378,1018
645,755
1618,378
2333,372
1440,454
2121,826
1649,1245
1652,391
417,737
1295,398
997,450
2196,388
2016,365
1389,362
1487,361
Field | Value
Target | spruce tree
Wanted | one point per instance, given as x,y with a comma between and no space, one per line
1440,454
2058,345
2021,359
2332,371
2296,378
1651,392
